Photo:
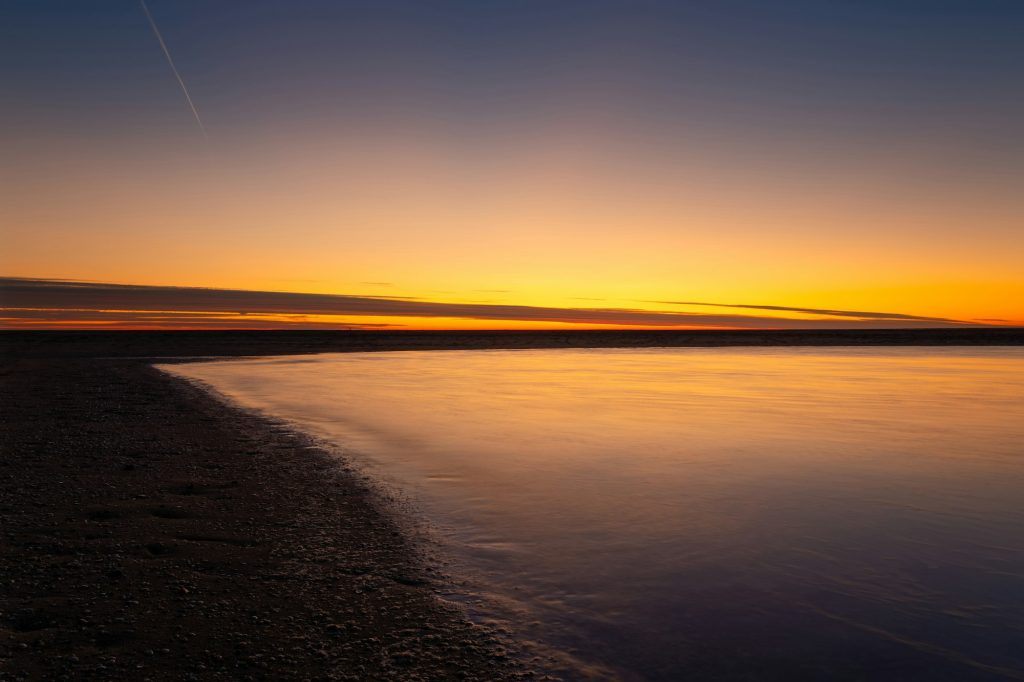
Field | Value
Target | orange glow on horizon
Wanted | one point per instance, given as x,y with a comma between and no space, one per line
106,308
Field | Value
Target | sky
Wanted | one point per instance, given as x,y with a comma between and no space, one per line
727,164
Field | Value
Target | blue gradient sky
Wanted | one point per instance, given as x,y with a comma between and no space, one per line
827,155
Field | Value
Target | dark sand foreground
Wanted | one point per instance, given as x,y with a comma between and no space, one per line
151,532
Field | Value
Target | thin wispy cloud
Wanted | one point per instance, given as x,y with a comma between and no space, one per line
174,69
65,302
857,314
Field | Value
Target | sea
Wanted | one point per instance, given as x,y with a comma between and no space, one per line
697,513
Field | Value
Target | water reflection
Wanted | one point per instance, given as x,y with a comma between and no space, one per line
719,514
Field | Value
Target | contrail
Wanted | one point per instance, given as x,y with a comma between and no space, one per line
163,46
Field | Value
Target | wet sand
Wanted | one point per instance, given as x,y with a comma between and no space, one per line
151,532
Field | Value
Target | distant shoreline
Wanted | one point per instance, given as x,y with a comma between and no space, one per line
233,343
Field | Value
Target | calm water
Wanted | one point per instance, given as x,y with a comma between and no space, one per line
703,514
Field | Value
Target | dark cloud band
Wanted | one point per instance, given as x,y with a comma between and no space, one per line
60,301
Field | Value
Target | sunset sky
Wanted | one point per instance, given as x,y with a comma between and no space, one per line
495,164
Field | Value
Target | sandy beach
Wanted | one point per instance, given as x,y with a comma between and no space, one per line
151,532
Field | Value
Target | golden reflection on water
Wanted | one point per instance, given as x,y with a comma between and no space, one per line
821,512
